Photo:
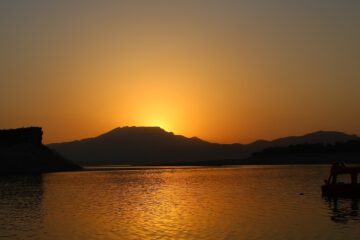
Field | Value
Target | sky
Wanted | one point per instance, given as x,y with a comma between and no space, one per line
225,71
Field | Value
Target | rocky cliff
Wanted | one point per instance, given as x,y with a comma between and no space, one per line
22,151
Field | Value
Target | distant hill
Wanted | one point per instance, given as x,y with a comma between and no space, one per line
22,151
346,151
143,145
325,137
153,145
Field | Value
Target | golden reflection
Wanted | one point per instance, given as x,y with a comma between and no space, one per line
215,203
134,205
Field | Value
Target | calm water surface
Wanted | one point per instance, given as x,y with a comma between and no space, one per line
248,202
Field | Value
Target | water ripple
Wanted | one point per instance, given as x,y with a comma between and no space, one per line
200,203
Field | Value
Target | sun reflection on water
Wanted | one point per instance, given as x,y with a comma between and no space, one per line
202,203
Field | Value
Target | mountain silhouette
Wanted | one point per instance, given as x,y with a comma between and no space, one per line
153,145
325,137
309,153
143,145
22,151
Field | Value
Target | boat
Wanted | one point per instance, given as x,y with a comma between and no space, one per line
335,188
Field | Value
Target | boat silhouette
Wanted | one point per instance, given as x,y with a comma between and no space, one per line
333,187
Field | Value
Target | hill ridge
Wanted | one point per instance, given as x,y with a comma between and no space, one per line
154,145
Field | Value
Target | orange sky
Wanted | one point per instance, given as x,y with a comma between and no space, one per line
224,71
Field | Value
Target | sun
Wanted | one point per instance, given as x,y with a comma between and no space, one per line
158,121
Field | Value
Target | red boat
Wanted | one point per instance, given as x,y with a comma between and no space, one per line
333,187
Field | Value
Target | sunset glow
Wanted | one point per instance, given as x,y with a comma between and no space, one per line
181,119
216,71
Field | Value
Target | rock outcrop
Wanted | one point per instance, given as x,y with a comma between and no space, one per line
22,151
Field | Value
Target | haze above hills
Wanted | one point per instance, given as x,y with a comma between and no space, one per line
153,146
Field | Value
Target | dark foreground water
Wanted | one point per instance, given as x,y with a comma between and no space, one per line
249,202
